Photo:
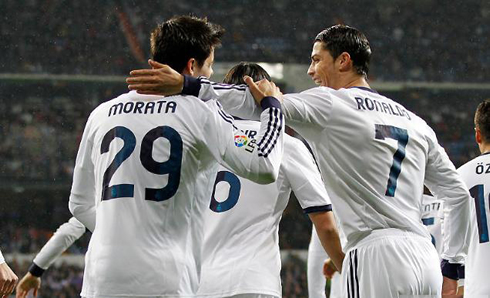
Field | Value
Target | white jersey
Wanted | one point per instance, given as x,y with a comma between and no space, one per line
432,218
241,248
374,156
138,182
2,259
476,174
63,238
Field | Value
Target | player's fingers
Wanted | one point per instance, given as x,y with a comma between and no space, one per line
156,64
143,72
143,87
139,80
254,89
35,292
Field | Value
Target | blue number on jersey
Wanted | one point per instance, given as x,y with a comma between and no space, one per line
119,190
233,194
171,166
429,221
478,194
401,135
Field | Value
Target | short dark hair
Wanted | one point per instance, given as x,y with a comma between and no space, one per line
181,38
482,119
253,70
342,38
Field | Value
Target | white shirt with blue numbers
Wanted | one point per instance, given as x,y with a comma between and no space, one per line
140,179
241,243
374,155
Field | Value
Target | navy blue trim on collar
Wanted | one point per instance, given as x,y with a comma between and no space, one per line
317,209
365,89
485,153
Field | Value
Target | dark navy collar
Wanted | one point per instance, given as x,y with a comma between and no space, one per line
364,88
486,153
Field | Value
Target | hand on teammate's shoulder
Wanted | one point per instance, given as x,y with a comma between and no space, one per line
161,79
263,88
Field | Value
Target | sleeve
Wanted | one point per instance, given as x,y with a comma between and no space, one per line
444,182
82,196
236,100
257,159
304,177
2,259
311,107
63,238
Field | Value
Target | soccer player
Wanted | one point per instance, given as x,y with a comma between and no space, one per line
63,238
8,279
476,175
317,257
431,218
375,157
141,180
241,256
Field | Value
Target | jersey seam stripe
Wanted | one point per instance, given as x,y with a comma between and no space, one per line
355,273
227,120
229,117
277,136
266,132
273,132
272,119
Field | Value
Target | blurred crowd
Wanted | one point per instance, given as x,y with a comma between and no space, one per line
412,41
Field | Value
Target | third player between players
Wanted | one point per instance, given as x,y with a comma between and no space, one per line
476,174
375,157
241,248
142,173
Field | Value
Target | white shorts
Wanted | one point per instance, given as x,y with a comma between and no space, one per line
392,263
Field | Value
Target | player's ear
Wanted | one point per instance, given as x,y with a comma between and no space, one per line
344,62
478,136
189,67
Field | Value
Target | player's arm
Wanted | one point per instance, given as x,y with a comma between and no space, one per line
257,159
82,202
8,279
306,183
63,238
310,107
444,182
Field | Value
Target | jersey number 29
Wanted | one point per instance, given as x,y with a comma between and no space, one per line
171,166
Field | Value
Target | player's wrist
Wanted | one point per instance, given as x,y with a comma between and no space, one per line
35,270
450,270
191,86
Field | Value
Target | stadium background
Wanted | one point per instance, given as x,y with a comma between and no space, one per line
59,59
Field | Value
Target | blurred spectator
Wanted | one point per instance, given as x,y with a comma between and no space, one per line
421,41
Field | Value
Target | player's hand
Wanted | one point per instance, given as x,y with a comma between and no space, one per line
160,80
7,280
27,283
329,269
262,89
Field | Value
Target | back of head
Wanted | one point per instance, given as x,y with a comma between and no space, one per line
253,70
181,38
482,120
342,38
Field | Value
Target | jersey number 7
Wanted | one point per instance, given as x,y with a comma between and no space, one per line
401,135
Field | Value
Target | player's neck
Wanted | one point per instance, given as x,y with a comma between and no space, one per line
356,81
484,148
